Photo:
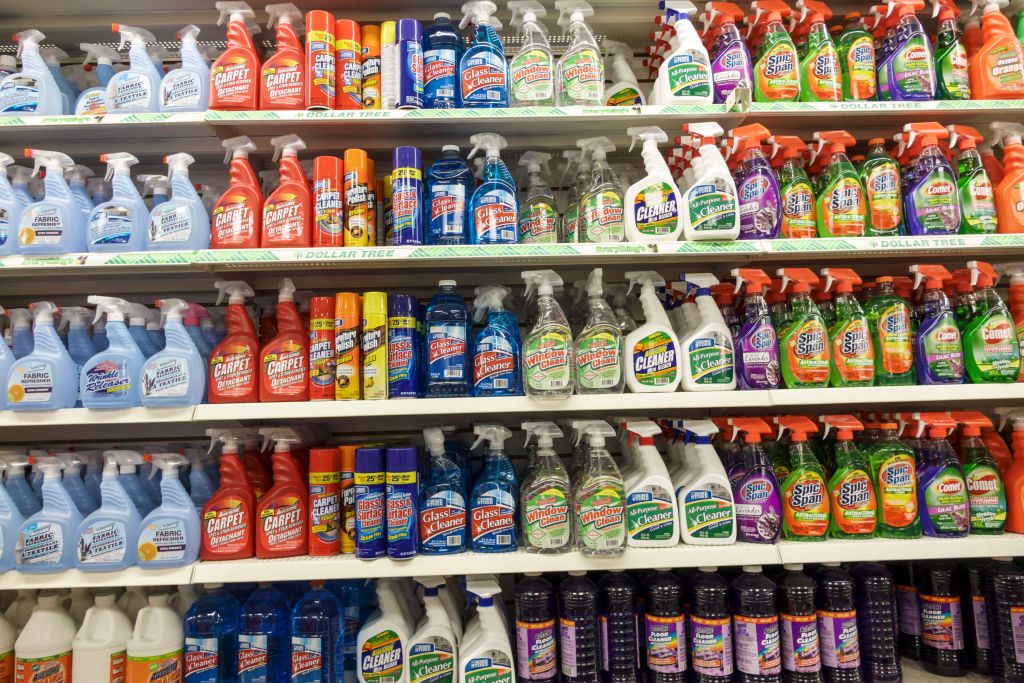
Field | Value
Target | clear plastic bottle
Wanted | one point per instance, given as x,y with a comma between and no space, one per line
599,497
579,74
599,345
536,637
798,626
263,637
531,72
316,633
617,593
664,646
578,629
942,631
548,348
211,636
447,323
756,627
538,212
837,625
877,623
710,627
545,495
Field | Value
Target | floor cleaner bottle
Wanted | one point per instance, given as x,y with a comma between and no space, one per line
45,378
654,213
756,626
531,71
108,536
805,500
99,650
46,540
538,212
33,91
138,88
483,68
43,650
157,643
53,224
652,350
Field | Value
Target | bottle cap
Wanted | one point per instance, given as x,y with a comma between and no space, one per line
404,305
369,460
347,29
375,303
355,159
408,29
347,458
402,459
347,305
406,157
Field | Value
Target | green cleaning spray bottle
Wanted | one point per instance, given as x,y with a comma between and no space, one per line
805,501
851,493
889,320
797,195
953,79
820,79
894,473
776,77
841,203
880,175
991,352
803,344
857,60
986,491
977,196
853,358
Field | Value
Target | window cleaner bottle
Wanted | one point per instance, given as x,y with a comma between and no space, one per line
850,489
46,540
707,358
953,82
449,188
169,536
841,205
33,91
941,489
138,88
483,68
211,636
985,488
805,500
264,637
531,71
990,349
233,375
805,347
538,213
235,74
937,345
894,474
889,321
997,65
283,78
548,349
796,193
93,101
43,650
601,206
99,647
652,519
857,60
316,635
756,492
853,357
229,516
237,216
545,495
654,214
110,379
45,379
599,345
931,197
53,224
108,537
442,51
977,197
776,63
493,207
820,73
579,73
283,510
119,224
652,350
760,205
284,366
157,643
757,344
492,502
442,502
497,350
447,336
287,213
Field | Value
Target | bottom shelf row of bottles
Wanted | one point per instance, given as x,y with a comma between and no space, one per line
792,623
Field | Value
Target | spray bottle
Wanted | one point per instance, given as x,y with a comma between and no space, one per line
545,495
287,213
237,216
760,204
805,500
820,73
853,357
483,69
776,77
44,97
108,538
986,491
442,504
46,539
176,375
7,360
991,351
953,82
937,346
55,224
599,344
11,518
234,76
731,66
493,500
1009,189
889,319
54,57
11,207
841,204
758,501
652,354
851,490
579,73
880,176
997,65
110,379
807,355
757,356
707,514
857,60
282,512
977,197
906,70
283,79
138,88
181,222
941,489
599,498
707,357
187,88
931,197
655,211
121,223
497,351
538,214
652,519
1014,476
601,205
284,364
796,193
93,101
46,378
709,206
228,517
493,208
548,348
531,79
684,76
624,90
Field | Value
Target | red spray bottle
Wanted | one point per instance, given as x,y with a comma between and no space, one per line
287,215
283,77
284,367
233,376
237,217
282,513
234,76
228,516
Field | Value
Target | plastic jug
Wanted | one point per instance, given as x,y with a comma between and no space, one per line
100,647
157,643
44,647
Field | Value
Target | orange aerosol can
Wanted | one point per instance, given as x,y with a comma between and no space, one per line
328,207
348,317
320,60
356,200
371,66
348,48
348,499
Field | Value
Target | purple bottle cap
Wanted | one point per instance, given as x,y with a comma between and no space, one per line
408,29
402,459
404,305
406,157
369,460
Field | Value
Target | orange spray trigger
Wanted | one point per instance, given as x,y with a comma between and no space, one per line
932,275
964,137
982,274
944,9
798,425
803,279
787,147
752,428
752,278
747,137
845,426
835,140
929,133
972,421
938,424
844,279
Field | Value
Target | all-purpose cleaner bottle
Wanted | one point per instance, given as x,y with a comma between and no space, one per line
951,72
11,206
287,212
889,319
652,350
880,176
53,224
110,379
182,221
489,655
906,69
283,78
33,91
284,365
820,73
120,223
483,68
237,216
776,65
652,519
228,517
233,374
157,643
991,351
941,489
99,648
857,60
548,358
624,90
985,488
545,495
756,492
707,360
937,345
707,513
797,194
757,186
804,344
655,211
841,203
853,356
432,649
138,88
851,490
685,74
531,71
493,207
976,189
45,379
43,650
894,473
997,65
46,540
931,197
283,512
235,75
107,538
709,206
169,536
805,499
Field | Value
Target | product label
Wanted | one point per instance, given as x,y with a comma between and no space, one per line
370,505
371,79
567,647
759,205
40,543
1017,629
493,667
711,359
307,661
253,658
689,74
711,646
711,206
233,220
7,666
570,224
840,647
651,514
283,78
854,508
601,518
165,376
233,371
885,201
626,97
708,512
897,490
170,222
286,367
324,509
439,75
600,218
284,220
941,623
758,650
894,346
181,89
913,68
130,90
986,497
357,209
822,69
403,345
167,668
447,211
859,74
400,511
775,74
380,660
537,648
41,224
547,361
843,208
164,539
406,210
655,210
598,361
53,669
432,660
730,68
942,349
853,357
532,79
107,379
666,643
936,203
496,216
446,351
945,502
346,72
980,612
582,80
493,520
993,348
443,522
282,523
538,224
321,358
328,210
808,353
104,541
224,526
201,660
977,201
798,214
546,518
801,651
31,382
757,506
5,225
484,79
494,365
654,360
19,94
805,504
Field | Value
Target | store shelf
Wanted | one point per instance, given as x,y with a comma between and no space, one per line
888,550
913,672
857,398
86,416
73,578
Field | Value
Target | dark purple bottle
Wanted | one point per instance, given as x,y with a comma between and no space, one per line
942,628
974,609
878,623
618,626
578,643
710,627
664,642
908,608
798,626
755,628
1002,583
536,641
837,625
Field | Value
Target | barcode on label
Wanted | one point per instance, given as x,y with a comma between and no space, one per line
453,541
503,539
453,373
501,384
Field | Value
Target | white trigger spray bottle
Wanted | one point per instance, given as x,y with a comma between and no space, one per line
711,210
707,357
652,520
531,71
93,101
122,223
624,90
652,349
707,513
652,203
45,99
548,348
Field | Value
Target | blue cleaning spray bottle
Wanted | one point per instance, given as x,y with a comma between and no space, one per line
264,637
442,508
158,189
12,205
450,185
21,332
119,224
483,69
78,183
108,538
46,540
33,91
175,376
79,343
138,88
17,485
442,52
182,222
93,473
211,636
93,101
494,207
20,177
316,652
110,379
138,319
7,360
53,56
11,520
128,463
55,224
497,351
44,379
187,88
493,501
201,485
73,484
169,535
448,325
